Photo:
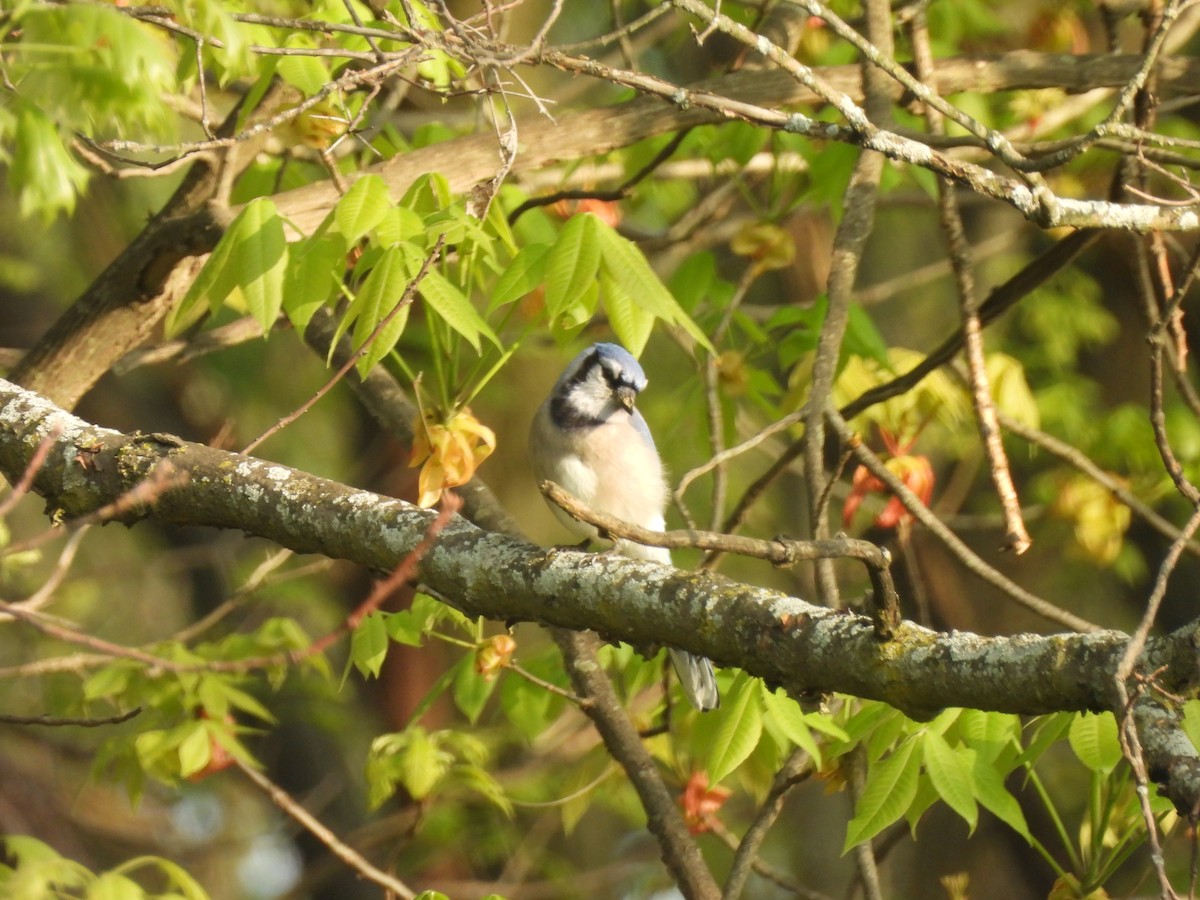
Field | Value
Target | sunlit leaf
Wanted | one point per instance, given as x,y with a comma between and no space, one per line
950,771
376,299
195,750
523,275
571,264
455,309
739,726
315,268
471,690
1093,737
259,260
629,321
369,644
786,715
890,789
362,207
997,799
624,263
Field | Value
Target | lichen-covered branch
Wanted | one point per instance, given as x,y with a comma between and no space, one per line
782,639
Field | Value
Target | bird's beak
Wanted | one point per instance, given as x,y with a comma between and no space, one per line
625,396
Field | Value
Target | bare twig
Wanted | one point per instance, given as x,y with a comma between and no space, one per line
796,769
65,721
1016,536
973,563
343,851
1075,457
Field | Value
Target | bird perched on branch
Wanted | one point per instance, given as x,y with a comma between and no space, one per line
588,437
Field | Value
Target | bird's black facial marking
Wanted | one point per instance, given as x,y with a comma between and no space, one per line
598,389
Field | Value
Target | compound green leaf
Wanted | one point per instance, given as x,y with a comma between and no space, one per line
738,729
624,263
786,715
523,275
1093,737
369,644
950,771
890,789
572,264
259,260
362,208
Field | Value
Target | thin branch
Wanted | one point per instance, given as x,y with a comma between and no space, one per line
1016,535
781,552
65,721
664,818
621,192
798,767
968,557
1075,457
1002,298
313,826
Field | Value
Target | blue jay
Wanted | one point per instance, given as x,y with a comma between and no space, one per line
588,437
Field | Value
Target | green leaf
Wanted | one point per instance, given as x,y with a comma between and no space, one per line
214,283
369,644
629,321
1048,730
42,172
786,715
891,787
739,726
308,73
821,722
362,208
378,296
195,750
950,771
225,694
111,886
428,194
1191,721
404,628
398,224
1093,737
471,690
315,269
175,874
251,256
863,338
523,275
108,681
996,798
528,706
455,309
571,264
259,260
625,265
424,764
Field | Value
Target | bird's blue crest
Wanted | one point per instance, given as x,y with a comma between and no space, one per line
631,370
616,352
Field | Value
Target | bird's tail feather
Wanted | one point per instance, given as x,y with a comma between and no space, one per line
697,678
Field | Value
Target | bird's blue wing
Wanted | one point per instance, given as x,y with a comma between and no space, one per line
643,430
